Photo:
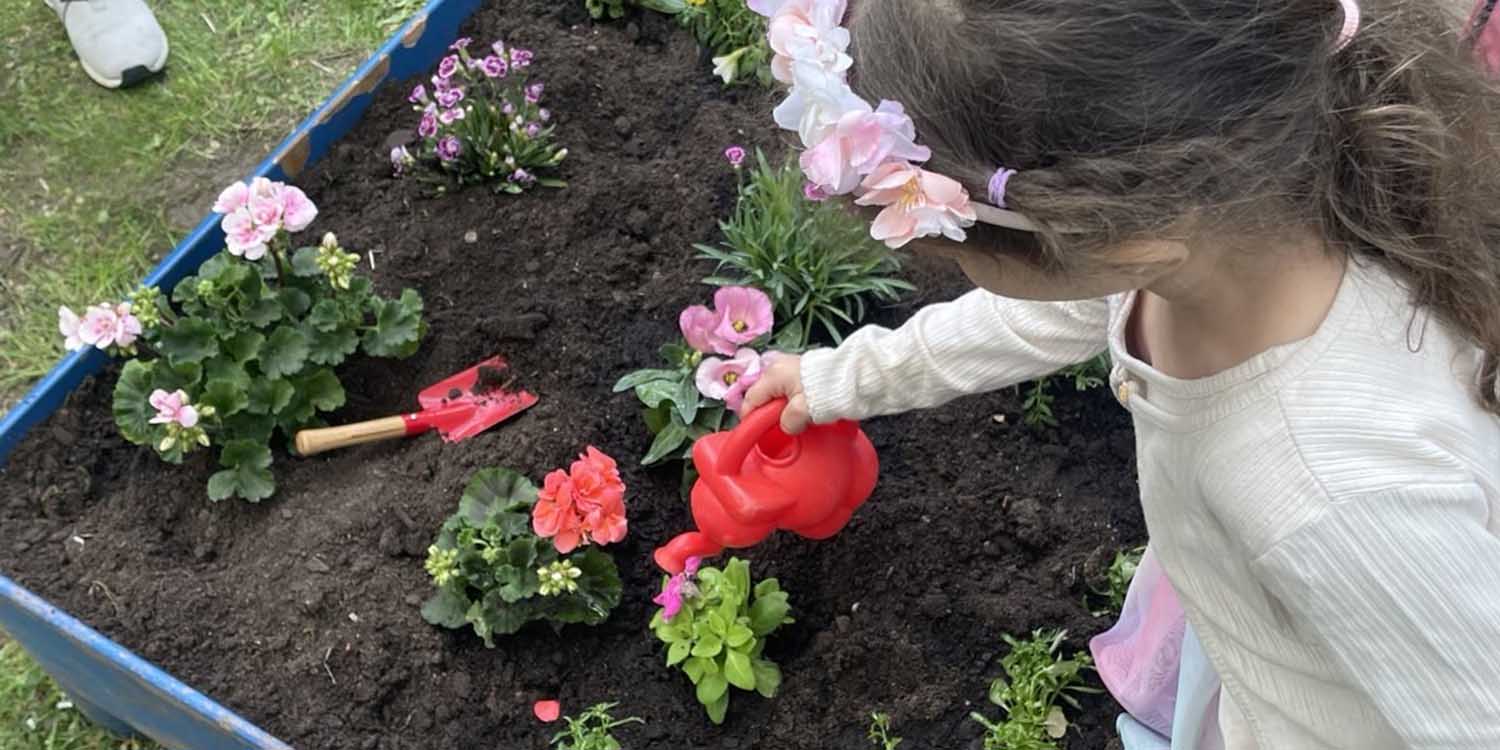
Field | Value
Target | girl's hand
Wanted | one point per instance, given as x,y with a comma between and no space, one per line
782,379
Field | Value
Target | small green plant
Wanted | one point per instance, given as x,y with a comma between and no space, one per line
599,9
1037,407
814,258
880,731
715,631
1117,580
592,729
494,573
247,346
1036,679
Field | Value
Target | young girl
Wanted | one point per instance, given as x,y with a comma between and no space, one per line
1281,219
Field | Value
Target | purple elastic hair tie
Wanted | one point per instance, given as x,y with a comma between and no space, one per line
997,186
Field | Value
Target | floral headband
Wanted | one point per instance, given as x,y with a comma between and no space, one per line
852,147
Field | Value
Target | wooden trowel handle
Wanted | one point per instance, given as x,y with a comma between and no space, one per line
322,439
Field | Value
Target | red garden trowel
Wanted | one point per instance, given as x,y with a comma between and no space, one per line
461,406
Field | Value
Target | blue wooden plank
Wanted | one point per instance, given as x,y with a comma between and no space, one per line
414,48
118,687
114,687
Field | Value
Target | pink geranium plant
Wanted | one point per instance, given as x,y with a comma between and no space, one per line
482,121
246,347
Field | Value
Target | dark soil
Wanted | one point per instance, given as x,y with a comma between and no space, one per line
301,613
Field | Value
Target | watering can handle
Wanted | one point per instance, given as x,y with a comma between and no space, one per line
749,432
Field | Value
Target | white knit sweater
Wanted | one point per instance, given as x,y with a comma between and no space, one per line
1328,511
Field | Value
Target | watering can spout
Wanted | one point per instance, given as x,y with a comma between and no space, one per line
756,479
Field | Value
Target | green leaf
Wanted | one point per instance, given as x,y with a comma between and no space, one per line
739,635
737,670
708,646
767,677
669,7
305,262
246,474
321,388
653,393
398,326
446,609
226,369
294,300
768,586
516,583
676,354
677,653
769,613
711,688
331,348
667,442
131,406
243,346
225,396
493,490
640,377
695,669
717,709
284,353
326,316
269,396
188,340
686,399
263,312
737,575
717,624
658,418
246,426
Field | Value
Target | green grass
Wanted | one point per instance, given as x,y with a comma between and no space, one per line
30,716
99,184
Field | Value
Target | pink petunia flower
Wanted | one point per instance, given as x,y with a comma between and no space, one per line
173,407
918,203
735,155
233,198
745,314
297,211
67,325
494,66
729,379
860,142
244,237
677,589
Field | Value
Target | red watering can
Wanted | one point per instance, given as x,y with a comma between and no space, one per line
755,479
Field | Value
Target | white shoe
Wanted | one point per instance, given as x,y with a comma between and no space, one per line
119,43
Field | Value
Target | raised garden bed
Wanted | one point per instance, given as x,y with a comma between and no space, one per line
301,613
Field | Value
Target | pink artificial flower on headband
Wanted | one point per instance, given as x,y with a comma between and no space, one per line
805,31
918,203
859,143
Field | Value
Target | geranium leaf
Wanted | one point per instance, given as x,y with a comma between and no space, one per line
225,396
188,340
331,347
446,609
284,353
398,326
243,346
246,472
321,388
269,396
493,490
326,316
305,262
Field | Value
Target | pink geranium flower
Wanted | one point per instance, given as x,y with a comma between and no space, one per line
554,516
745,314
297,210
266,202
127,326
173,408
729,379
918,203
583,505
68,325
233,198
244,237
102,326
860,142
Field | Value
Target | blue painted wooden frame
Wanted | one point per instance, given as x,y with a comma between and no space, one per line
112,686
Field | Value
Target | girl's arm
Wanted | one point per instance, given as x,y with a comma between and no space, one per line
979,342
1403,588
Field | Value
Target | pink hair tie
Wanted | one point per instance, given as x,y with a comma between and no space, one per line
998,181
1351,24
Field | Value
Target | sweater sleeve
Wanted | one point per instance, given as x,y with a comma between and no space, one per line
1403,589
979,342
